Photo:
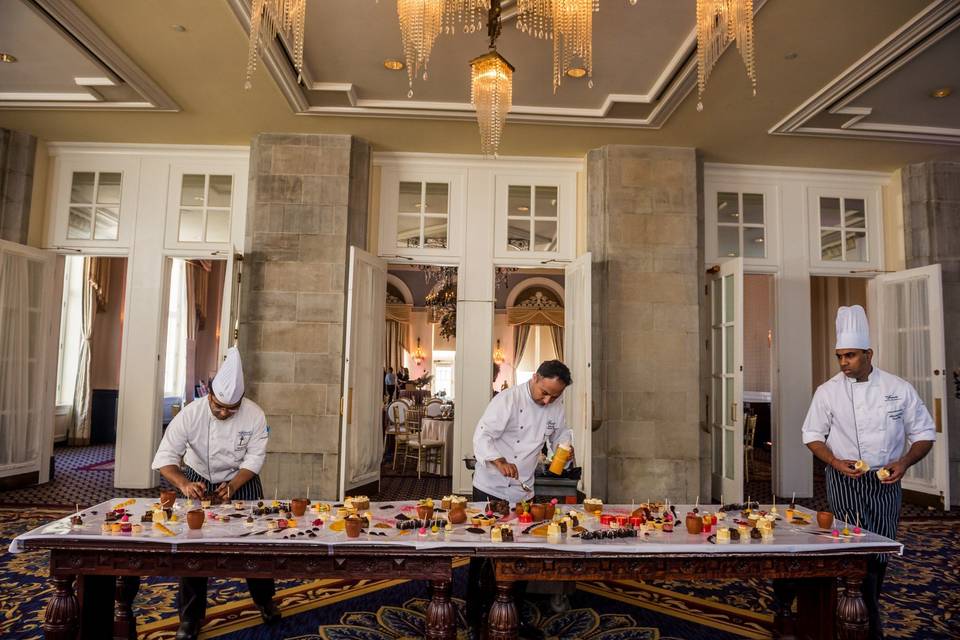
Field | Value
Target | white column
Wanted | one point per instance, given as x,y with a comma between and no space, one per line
138,414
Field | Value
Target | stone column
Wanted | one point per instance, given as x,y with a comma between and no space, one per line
17,154
931,220
648,265
307,205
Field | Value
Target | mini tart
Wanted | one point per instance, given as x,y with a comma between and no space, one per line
338,525
883,473
861,465
482,520
136,529
543,530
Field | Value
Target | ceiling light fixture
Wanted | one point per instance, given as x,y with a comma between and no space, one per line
267,19
719,22
179,28
491,87
8,58
393,65
569,23
576,72
942,92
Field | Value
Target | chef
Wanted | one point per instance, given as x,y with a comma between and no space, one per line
507,444
222,440
867,415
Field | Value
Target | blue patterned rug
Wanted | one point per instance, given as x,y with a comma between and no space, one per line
921,598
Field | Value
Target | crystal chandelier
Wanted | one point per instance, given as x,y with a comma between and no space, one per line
569,23
719,22
267,19
491,87
422,22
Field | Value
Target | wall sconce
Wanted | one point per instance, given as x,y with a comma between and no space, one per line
498,354
418,353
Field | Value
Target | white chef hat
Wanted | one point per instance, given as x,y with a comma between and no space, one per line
228,383
853,331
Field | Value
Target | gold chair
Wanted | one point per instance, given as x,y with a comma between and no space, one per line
396,427
749,435
425,451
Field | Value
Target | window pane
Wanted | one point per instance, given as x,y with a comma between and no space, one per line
717,295
81,191
218,225
728,454
108,190
435,232
191,190
717,350
518,200
221,188
856,246
729,304
753,208
853,214
728,400
545,238
830,248
829,212
754,244
191,225
728,350
518,235
717,451
409,197
728,241
106,227
546,202
80,223
408,231
717,407
437,197
728,207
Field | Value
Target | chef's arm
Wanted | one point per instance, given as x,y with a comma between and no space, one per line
823,453
175,476
917,452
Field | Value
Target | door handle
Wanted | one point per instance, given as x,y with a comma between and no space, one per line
733,412
938,414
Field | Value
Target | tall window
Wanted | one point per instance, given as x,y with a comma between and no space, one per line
843,229
442,383
532,222
422,215
175,370
205,202
70,329
539,348
94,206
741,227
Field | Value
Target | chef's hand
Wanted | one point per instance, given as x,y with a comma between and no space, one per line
224,491
193,489
847,467
506,469
896,469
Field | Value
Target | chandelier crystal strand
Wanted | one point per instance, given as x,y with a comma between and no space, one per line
467,15
569,23
267,19
719,22
491,92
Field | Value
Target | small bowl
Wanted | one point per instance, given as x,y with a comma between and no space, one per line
824,519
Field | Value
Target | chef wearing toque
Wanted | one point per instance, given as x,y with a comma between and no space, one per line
222,440
868,426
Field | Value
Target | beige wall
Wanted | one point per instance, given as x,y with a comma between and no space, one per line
108,332
893,248
38,203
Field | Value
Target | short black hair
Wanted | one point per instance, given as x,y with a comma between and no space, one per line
555,369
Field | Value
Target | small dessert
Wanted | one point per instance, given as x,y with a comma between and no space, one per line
524,517
506,533
172,517
239,505
495,534
125,527
425,509
861,465
360,503
136,529
446,502
554,535
162,528
205,504
883,473
435,529
114,527
755,534
593,506
272,524
249,521
835,533
76,521
723,535
105,528
766,534
422,532
448,527
159,515
668,527
352,525
846,531
743,529
734,534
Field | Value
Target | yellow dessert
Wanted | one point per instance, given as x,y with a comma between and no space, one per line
136,529
159,515
723,534
553,532
883,473
496,535
162,528
861,465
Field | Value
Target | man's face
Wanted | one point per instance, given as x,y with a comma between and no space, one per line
546,390
854,363
221,411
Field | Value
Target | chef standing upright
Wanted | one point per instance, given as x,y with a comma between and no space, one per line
868,426
222,440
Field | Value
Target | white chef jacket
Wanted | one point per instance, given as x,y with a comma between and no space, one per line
216,449
874,421
514,427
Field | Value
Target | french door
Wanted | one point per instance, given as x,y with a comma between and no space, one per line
725,292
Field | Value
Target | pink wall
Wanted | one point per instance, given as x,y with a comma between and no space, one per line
205,351
756,327
108,332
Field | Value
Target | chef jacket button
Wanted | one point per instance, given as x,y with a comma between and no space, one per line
518,442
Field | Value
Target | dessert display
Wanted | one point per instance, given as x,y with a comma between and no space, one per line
424,509
361,503
195,518
298,506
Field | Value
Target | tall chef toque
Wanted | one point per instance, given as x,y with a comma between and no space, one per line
853,331
228,383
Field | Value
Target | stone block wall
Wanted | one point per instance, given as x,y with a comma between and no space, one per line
931,220
307,204
17,154
643,232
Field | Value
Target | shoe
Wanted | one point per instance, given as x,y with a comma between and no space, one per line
187,631
271,615
529,632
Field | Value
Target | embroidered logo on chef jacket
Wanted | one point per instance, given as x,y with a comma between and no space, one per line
551,425
243,438
893,397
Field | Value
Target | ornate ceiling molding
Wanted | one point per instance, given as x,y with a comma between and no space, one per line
927,28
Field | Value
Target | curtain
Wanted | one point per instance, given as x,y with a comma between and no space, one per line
532,315
16,435
521,333
395,344
99,278
79,432
557,334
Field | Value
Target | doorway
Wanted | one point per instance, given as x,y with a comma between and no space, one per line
758,395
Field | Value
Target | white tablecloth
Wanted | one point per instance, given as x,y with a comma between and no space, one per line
440,429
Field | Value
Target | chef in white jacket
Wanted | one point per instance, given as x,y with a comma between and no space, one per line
507,444
222,440
866,415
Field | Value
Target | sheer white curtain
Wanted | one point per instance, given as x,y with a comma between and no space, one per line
79,432
176,351
906,328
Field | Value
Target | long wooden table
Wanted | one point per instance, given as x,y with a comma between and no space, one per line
78,560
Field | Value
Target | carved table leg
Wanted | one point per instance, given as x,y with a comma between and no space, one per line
816,608
124,622
503,620
61,621
852,610
441,614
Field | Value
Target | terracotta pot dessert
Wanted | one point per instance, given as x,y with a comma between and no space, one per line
549,509
167,498
824,519
457,514
352,526
538,511
299,506
694,523
195,518
425,509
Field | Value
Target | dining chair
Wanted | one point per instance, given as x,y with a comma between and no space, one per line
396,427
749,435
